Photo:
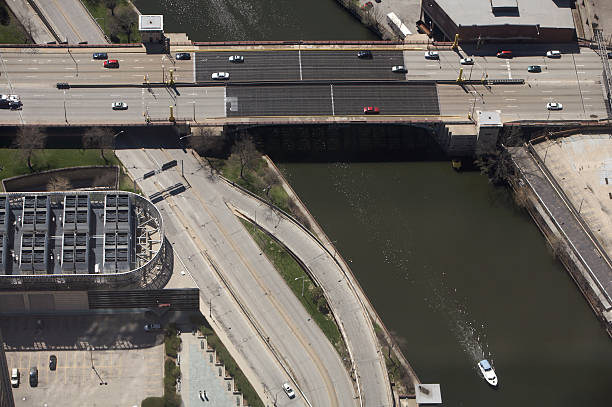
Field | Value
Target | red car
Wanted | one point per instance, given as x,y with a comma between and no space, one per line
371,110
504,54
111,63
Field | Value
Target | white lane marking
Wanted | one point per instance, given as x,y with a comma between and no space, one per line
68,76
104,76
509,91
547,91
509,71
136,60
509,99
38,96
31,76
511,106
432,65
138,74
587,98
115,96
300,58
32,68
580,65
580,72
139,67
588,105
20,60
331,87
70,68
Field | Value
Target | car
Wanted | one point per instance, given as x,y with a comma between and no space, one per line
378,1
183,56
10,102
554,106
15,377
220,75
466,61
236,59
399,68
534,68
553,54
119,106
432,55
152,327
288,390
100,55
364,54
609,55
371,110
504,54
33,376
111,63
52,362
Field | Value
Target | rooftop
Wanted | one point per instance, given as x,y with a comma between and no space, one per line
545,13
151,23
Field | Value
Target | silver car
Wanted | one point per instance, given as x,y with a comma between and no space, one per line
554,106
220,76
467,61
399,69
119,106
236,59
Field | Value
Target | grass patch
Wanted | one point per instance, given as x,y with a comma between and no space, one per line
105,20
11,31
231,367
396,371
312,298
12,163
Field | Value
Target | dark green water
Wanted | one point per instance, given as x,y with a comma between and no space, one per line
458,273
453,268
261,20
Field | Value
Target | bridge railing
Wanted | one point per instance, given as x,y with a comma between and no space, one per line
603,54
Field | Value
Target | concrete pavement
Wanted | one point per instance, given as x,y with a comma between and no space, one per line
261,295
71,21
30,21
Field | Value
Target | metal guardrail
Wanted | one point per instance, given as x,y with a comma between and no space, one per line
603,54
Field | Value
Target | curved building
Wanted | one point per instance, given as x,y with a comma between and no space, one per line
78,240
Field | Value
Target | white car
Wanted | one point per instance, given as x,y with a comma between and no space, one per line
119,106
15,377
553,54
399,68
288,390
554,106
236,58
152,327
220,75
467,61
432,55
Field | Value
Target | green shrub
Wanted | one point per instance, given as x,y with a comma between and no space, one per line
172,344
153,402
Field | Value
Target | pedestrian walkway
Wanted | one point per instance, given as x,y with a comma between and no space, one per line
199,374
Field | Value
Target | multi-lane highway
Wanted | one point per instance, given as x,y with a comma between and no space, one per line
295,82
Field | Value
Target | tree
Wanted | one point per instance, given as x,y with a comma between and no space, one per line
58,183
111,4
29,139
246,154
206,142
98,137
125,19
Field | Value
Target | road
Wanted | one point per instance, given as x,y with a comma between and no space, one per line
573,80
204,230
71,21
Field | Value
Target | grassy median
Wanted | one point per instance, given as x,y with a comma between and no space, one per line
11,31
310,296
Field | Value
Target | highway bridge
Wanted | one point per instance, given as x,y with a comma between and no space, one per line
298,83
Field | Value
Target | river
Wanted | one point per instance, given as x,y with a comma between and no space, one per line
456,271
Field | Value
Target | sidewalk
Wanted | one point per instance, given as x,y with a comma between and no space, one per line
199,374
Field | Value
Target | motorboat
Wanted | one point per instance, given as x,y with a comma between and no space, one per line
488,372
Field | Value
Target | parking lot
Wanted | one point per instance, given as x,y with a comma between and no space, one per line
102,360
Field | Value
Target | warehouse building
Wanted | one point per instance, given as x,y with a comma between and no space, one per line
480,21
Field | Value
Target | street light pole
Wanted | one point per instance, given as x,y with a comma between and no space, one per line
115,138
303,281
65,114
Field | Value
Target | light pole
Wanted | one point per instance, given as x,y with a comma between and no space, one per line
303,280
65,114
115,138
103,23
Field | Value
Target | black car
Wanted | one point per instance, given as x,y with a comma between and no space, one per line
183,56
534,68
100,55
33,376
52,362
609,55
364,54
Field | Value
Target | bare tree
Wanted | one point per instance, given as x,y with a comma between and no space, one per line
98,137
58,183
206,142
246,154
111,5
28,140
125,19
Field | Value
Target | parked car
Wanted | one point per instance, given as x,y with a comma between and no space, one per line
236,59
152,327
111,63
609,55
467,61
399,69
52,362
119,106
288,390
553,54
183,56
33,376
220,75
534,68
504,54
371,110
15,375
100,55
554,106
432,55
364,54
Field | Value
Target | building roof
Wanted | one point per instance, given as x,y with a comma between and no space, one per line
545,13
489,118
151,23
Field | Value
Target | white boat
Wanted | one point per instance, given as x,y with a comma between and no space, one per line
488,372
